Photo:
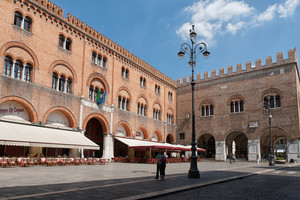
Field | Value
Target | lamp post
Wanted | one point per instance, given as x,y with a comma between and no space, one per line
192,50
268,107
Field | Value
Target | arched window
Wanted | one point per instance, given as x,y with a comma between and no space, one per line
104,62
142,82
27,24
207,110
62,82
99,60
156,114
68,44
157,89
275,101
94,55
91,92
68,87
18,19
170,96
27,73
96,91
54,81
236,106
8,66
61,41
169,118
141,109
18,69
123,103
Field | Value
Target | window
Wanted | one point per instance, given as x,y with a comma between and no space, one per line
93,93
157,89
18,69
236,106
54,81
94,55
68,44
207,110
61,86
123,103
27,24
64,43
181,136
274,101
8,66
68,88
169,119
141,109
142,82
18,19
170,96
99,60
61,41
156,114
27,73
24,23
60,83
105,63
125,73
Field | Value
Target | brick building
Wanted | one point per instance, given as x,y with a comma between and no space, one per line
230,112
52,71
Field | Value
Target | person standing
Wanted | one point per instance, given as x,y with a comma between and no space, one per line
162,165
157,166
230,158
257,158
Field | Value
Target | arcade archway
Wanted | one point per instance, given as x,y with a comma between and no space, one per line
207,142
95,131
237,144
279,141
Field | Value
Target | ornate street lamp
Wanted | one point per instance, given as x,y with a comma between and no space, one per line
268,107
192,50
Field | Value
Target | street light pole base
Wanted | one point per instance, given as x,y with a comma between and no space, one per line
193,174
272,163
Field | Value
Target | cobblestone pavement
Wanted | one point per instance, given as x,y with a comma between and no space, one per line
116,180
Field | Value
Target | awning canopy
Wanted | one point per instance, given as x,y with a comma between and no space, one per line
18,134
134,143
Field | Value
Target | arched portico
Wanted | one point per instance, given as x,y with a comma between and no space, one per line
96,130
237,143
207,142
279,141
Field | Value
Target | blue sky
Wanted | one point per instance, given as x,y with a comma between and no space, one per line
234,31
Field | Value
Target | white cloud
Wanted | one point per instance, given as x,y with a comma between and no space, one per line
233,28
288,8
214,17
268,14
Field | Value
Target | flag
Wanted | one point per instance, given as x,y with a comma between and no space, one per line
98,96
102,100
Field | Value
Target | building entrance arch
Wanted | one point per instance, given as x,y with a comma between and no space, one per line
95,132
207,142
279,141
237,143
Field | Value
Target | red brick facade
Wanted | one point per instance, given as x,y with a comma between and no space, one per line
40,48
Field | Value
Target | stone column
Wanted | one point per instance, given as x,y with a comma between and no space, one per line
253,149
221,150
108,146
